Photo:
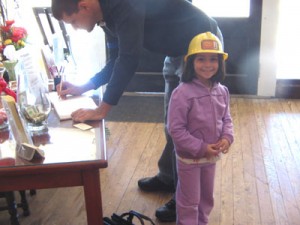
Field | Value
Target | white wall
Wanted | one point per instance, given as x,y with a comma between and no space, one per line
88,48
268,62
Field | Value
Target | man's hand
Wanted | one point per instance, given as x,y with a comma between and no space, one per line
99,113
65,88
71,89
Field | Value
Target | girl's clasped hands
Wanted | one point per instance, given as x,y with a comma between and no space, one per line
214,150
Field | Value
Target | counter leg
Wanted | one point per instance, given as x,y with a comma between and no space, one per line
92,195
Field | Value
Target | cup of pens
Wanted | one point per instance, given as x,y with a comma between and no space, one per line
57,81
57,75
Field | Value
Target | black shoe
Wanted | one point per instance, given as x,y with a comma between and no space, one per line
167,213
152,184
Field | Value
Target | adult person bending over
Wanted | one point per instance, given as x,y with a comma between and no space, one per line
161,26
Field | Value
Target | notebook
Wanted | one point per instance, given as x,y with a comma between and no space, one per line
65,107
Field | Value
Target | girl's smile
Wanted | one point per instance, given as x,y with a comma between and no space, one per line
206,65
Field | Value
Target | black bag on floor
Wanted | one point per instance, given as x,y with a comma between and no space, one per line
126,219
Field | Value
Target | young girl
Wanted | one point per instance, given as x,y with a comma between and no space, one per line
200,124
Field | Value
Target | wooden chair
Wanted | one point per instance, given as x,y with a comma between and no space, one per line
9,196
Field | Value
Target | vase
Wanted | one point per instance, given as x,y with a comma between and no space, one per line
33,103
10,67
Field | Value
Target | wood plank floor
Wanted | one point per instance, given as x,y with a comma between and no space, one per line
257,182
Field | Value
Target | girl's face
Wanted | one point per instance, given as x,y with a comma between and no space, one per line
206,65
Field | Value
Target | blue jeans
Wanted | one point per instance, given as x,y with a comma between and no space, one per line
172,71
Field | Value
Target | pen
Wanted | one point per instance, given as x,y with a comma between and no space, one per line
60,84
61,73
61,70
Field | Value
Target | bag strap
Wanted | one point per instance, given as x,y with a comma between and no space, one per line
129,218
108,221
122,220
138,215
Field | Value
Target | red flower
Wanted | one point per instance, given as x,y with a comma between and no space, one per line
18,33
5,28
10,22
11,35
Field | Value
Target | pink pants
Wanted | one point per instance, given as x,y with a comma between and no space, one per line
194,194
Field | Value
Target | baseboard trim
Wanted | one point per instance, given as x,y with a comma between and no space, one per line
147,82
287,88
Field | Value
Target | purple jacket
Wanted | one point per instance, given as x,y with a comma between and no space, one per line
198,117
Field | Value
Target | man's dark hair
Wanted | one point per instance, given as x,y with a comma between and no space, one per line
64,6
189,73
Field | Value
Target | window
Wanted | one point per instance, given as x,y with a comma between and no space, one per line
89,58
221,8
288,47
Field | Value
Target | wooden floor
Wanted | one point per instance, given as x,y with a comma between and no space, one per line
257,182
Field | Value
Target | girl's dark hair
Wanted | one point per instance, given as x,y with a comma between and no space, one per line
64,6
189,73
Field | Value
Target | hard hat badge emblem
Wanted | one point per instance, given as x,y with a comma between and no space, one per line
209,45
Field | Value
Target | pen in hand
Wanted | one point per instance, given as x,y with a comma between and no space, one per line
61,86
61,74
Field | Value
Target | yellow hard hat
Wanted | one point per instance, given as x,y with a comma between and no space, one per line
205,43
